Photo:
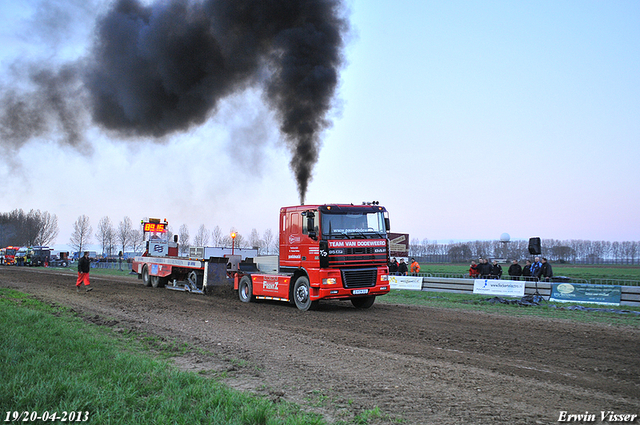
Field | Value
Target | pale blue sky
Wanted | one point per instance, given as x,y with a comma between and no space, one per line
465,119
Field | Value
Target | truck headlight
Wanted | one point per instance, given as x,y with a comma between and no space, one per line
329,281
384,278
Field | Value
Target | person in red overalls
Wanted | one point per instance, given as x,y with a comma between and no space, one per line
84,265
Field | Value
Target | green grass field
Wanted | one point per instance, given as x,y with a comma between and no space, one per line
52,361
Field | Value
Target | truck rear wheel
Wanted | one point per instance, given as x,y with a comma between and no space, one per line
245,289
145,276
363,302
302,294
158,282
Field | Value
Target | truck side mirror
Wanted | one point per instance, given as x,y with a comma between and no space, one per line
387,223
311,228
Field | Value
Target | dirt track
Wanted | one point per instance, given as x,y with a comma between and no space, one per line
422,365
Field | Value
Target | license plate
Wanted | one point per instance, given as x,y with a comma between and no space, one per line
360,291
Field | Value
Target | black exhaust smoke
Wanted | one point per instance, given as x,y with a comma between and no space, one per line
162,68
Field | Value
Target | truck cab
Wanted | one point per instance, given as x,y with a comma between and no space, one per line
332,251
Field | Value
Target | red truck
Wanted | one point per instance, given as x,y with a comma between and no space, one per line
332,251
10,255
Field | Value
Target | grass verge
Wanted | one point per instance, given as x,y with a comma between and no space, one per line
614,314
53,361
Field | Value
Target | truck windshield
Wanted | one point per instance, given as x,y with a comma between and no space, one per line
353,225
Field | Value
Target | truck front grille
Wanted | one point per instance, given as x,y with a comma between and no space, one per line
359,278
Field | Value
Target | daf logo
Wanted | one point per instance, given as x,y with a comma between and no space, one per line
158,248
294,239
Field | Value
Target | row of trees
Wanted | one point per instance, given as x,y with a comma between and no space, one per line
127,237
572,251
111,238
265,244
35,228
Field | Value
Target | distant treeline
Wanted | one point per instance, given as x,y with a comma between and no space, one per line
35,228
561,251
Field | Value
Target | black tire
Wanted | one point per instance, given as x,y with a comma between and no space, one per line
145,276
302,294
245,289
158,282
195,279
363,302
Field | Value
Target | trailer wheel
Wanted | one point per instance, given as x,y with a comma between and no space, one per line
195,279
245,289
363,302
145,276
302,295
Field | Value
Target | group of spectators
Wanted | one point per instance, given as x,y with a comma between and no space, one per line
538,270
401,269
483,269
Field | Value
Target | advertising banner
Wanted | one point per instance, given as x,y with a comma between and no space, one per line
508,288
405,282
399,245
585,293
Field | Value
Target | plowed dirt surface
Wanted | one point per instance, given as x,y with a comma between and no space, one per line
419,365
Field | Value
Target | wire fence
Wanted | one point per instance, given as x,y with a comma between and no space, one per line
113,265
556,279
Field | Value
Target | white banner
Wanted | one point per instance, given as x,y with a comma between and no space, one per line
509,288
405,282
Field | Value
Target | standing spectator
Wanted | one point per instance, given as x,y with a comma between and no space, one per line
474,272
526,270
536,269
485,269
546,271
515,270
84,265
415,267
402,268
393,266
496,270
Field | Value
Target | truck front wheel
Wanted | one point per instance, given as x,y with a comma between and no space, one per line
302,295
363,302
245,289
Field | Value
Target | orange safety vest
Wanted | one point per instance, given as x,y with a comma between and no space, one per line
415,267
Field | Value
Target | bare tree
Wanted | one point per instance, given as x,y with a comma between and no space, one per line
254,240
47,229
81,234
202,237
267,238
216,234
137,241
183,235
124,234
106,235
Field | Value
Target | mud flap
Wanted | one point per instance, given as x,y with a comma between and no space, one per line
216,272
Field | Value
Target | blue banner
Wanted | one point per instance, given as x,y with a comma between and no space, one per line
585,293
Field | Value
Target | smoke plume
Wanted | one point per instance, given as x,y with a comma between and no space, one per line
154,70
